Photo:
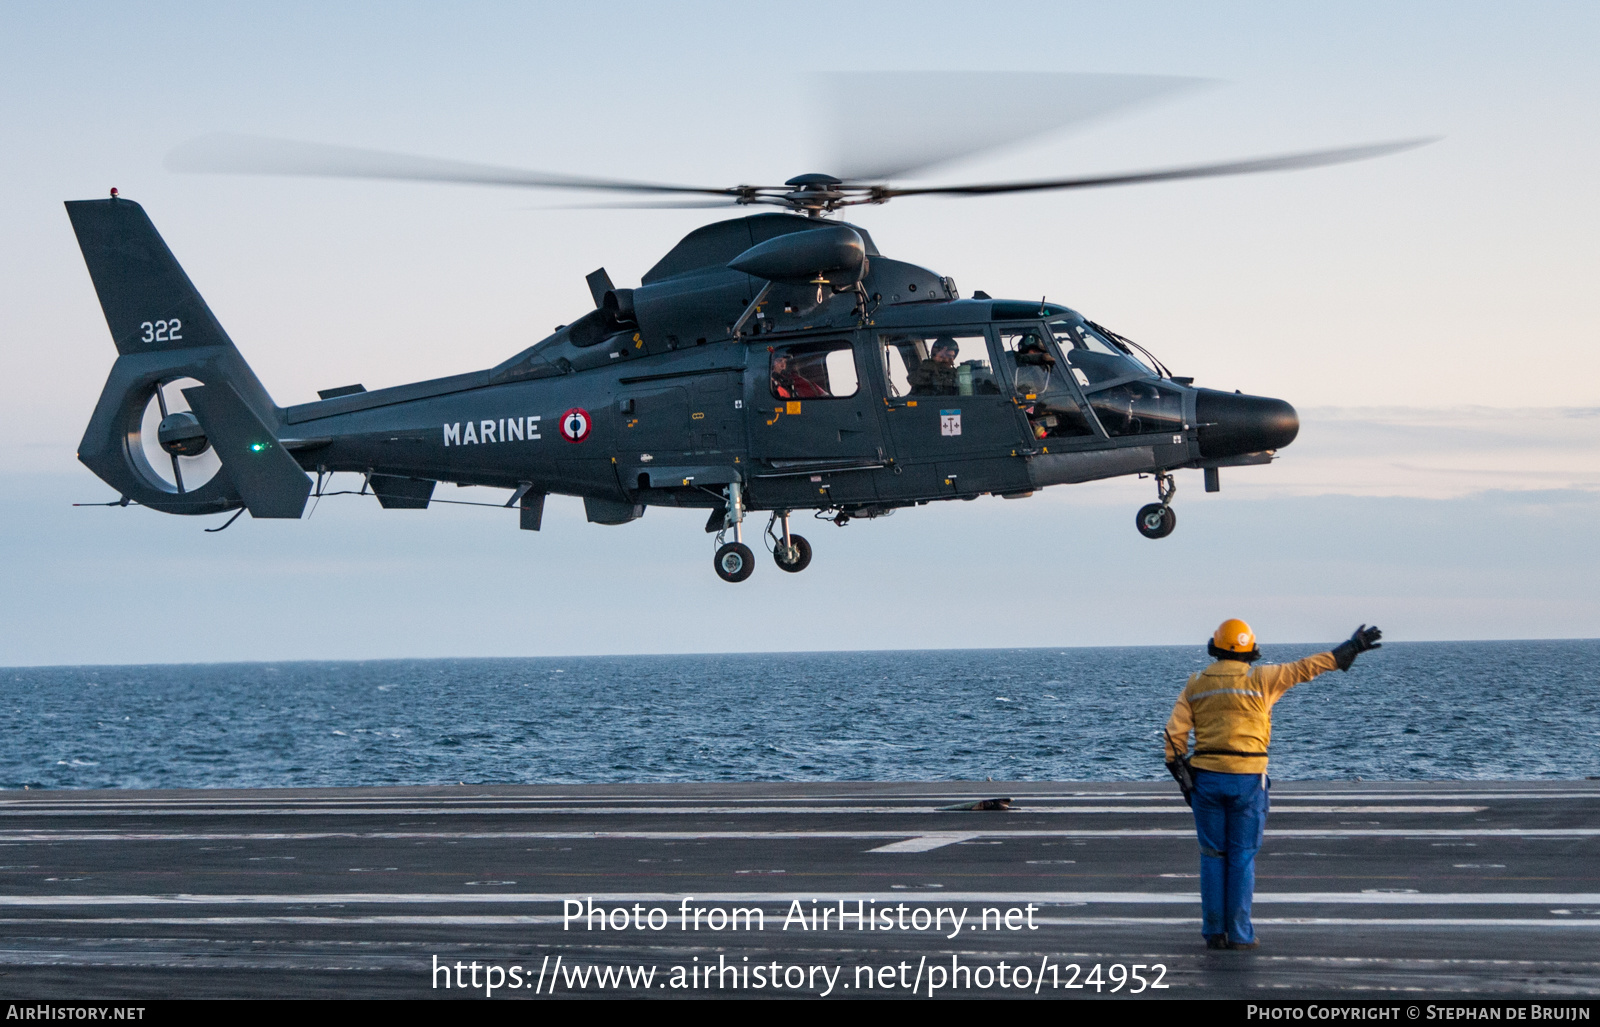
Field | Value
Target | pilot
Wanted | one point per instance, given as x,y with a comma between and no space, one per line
1033,377
1229,707
936,376
1033,366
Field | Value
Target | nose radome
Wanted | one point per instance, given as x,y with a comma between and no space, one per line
1232,424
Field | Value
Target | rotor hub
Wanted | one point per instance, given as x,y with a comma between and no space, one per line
815,194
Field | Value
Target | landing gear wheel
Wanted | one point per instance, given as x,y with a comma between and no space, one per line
734,562
1156,520
801,553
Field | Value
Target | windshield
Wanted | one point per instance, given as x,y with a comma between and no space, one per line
1094,358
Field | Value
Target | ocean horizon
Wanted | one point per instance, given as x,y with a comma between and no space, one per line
1409,711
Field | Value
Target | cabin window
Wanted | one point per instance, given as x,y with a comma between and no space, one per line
938,364
813,370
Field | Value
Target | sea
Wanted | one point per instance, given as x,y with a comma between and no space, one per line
1409,711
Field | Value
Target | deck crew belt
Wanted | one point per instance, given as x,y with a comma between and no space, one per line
1230,752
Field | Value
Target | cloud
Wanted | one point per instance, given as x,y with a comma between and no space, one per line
1433,453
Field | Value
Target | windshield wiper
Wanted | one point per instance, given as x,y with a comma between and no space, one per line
1126,345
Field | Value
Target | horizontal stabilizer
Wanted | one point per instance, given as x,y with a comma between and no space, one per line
269,480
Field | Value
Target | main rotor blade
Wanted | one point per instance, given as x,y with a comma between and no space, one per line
889,124
227,153
1313,159
648,205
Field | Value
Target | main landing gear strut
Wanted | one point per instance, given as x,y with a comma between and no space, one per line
790,552
734,560
1156,520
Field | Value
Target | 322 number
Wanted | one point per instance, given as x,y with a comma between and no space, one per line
162,331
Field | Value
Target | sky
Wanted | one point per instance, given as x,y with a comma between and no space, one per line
1431,314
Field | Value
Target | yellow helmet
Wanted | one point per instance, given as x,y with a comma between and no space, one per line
1234,636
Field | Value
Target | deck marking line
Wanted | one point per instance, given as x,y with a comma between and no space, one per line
542,920
588,811
1558,899
927,842
53,837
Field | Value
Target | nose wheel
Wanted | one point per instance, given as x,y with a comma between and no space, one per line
1156,520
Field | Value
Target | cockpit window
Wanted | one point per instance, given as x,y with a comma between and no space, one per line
1094,358
1039,385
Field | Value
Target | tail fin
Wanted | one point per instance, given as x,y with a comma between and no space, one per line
149,303
164,331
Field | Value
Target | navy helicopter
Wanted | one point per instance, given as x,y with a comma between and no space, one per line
777,362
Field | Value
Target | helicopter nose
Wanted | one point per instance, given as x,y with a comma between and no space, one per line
1232,424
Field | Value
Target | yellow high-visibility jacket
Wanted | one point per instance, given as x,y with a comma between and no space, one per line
1229,706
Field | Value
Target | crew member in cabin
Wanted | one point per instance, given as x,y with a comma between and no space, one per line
1228,706
788,382
936,376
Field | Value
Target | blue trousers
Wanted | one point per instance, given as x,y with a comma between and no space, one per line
1230,814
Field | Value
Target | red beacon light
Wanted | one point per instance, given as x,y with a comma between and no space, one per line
113,192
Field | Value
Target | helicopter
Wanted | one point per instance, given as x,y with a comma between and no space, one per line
776,363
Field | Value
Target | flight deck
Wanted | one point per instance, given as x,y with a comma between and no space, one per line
1364,890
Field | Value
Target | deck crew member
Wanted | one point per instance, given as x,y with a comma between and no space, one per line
1229,707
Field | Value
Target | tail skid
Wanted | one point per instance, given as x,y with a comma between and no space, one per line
164,331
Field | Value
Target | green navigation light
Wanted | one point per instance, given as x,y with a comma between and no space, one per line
256,447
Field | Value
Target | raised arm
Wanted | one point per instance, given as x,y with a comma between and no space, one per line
1279,678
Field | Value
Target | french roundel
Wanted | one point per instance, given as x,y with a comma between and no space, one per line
575,424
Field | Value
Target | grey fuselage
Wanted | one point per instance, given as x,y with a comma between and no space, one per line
666,394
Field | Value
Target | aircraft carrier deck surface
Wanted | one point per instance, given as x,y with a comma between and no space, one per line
1364,890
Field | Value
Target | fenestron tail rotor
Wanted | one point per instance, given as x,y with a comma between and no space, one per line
177,456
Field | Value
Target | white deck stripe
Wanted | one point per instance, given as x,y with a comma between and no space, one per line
540,920
942,897
924,843
52,837
523,811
